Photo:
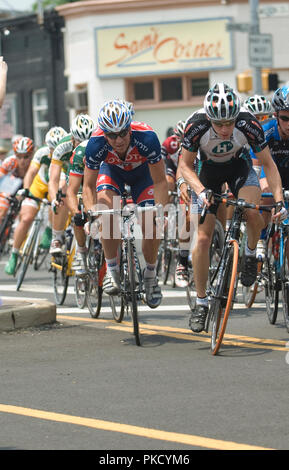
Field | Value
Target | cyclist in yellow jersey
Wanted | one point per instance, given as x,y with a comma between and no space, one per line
36,184
81,128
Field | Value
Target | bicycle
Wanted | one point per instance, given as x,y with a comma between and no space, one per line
223,284
31,250
131,279
275,273
6,226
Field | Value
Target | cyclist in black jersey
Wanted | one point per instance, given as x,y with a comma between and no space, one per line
222,133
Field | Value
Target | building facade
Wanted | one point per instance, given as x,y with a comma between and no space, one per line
162,54
36,82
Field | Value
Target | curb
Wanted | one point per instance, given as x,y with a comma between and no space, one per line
16,314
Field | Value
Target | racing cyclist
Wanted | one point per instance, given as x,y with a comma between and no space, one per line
119,153
221,132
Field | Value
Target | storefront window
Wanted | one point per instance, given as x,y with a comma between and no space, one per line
144,90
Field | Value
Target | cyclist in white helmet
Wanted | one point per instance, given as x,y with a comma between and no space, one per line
121,153
81,129
36,184
221,132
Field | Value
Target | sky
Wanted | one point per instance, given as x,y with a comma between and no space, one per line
19,5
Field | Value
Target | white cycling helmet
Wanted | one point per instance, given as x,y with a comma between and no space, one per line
179,130
222,103
114,116
280,100
54,136
82,127
258,104
23,146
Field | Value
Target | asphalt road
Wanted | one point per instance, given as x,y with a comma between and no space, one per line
83,384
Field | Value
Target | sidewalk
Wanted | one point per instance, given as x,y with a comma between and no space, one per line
23,313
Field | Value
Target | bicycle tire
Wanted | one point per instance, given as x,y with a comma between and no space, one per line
285,287
60,280
271,286
132,292
40,257
26,258
97,270
249,293
5,231
225,290
81,288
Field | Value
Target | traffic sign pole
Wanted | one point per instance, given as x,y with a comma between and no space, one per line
255,29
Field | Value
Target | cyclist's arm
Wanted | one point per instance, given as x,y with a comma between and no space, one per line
54,177
158,174
272,173
186,167
72,191
30,175
89,188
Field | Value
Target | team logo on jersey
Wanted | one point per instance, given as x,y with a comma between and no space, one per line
223,147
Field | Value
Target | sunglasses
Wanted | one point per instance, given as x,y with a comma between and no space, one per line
284,118
23,156
224,123
114,135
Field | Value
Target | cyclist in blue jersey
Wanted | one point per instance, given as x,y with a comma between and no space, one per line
119,153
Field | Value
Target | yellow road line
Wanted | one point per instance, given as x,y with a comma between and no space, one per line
182,333
187,439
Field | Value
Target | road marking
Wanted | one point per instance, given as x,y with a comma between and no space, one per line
182,333
149,433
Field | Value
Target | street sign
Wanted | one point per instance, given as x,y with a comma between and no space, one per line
269,11
240,27
260,50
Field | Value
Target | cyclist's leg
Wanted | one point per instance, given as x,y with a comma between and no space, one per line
58,223
142,194
109,189
27,214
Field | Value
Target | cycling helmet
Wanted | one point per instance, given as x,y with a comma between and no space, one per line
129,105
114,116
280,100
54,135
23,146
222,103
179,130
258,104
82,127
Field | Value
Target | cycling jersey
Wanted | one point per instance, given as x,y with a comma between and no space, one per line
42,160
200,136
170,153
144,148
63,152
77,160
224,161
9,165
279,149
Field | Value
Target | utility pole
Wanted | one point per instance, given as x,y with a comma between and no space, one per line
255,29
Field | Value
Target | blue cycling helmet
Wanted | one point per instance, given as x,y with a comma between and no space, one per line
280,100
114,116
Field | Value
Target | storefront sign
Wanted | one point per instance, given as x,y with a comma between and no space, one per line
163,48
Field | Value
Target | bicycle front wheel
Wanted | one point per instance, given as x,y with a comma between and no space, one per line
285,286
132,291
272,282
60,279
224,295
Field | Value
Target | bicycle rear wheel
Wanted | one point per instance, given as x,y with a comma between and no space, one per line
249,293
26,257
224,295
60,278
81,288
285,286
